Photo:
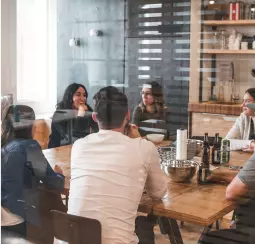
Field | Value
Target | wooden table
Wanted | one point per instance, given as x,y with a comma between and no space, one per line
190,202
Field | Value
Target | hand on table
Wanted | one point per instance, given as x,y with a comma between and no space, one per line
251,148
222,174
58,169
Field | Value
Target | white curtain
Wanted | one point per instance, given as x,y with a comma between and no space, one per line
36,54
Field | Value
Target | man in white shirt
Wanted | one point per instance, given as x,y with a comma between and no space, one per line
109,171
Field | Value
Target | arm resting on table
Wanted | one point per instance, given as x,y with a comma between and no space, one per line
156,184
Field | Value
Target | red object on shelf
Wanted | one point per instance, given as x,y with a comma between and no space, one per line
236,10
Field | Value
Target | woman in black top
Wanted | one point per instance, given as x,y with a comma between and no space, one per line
152,105
72,111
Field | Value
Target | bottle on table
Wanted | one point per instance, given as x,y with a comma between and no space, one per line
206,145
204,167
225,151
216,150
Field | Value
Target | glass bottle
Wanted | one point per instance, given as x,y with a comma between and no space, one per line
206,146
215,43
252,11
216,150
204,168
223,38
221,93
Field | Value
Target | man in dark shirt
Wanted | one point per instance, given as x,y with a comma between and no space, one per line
241,190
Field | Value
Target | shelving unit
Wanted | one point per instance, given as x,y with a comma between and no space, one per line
206,50
229,22
204,69
220,51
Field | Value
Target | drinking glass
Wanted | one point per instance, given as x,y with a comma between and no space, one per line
235,97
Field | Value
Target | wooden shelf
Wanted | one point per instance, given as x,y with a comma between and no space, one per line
215,108
229,22
220,51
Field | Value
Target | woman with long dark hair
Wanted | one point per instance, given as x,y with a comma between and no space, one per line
24,171
74,100
242,134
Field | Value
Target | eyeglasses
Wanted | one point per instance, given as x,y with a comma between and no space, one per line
145,93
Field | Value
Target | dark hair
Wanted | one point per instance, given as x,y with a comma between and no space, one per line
9,131
67,101
251,91
157,93
111,107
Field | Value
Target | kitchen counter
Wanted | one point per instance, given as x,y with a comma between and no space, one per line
215,108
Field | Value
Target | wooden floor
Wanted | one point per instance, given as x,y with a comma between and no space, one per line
190,233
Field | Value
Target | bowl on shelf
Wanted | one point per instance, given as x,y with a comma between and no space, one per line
155,138
180,170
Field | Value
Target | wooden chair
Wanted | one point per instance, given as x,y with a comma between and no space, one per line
75,229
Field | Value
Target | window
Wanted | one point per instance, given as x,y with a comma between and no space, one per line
36,54
159,49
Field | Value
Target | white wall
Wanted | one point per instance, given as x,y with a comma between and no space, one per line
8,47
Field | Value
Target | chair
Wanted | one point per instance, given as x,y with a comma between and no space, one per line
75,229
6,101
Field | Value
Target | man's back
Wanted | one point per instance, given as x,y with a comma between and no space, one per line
108,175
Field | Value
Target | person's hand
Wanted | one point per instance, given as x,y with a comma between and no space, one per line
82,109
133,132
134,126
250,148
58,169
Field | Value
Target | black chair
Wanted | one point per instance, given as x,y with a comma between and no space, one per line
75,229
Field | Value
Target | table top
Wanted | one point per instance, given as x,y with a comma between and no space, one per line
189,202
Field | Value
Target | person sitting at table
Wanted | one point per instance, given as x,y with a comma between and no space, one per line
242,134
109,172
241,190
25,172
152,105
75,98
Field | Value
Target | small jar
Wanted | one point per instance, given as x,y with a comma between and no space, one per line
244,45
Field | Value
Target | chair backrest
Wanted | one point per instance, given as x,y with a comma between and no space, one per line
6,101
75,229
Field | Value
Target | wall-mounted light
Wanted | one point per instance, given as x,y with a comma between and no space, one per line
211,2
74,42
94,32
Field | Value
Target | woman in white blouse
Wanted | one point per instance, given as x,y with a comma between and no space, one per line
242,134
